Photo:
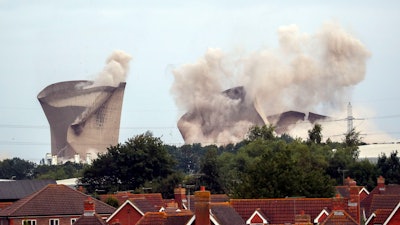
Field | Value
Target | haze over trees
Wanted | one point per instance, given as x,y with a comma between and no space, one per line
263,165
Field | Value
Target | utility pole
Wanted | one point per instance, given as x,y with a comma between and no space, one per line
342,171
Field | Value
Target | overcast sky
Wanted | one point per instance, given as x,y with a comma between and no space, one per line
44,42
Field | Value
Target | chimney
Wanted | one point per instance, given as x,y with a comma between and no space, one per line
337,203
88,207
354,201
179,194
381,183
302,219
202,206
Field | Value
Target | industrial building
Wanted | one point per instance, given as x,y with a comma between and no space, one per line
84,118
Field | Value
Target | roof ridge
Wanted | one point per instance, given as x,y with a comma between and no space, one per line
26,199
77,191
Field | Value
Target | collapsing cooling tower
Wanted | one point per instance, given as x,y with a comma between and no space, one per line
199,125
83,118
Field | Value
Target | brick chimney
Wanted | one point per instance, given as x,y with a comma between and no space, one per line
381,183
179,194
88,207
354,201
302,219
338,203
202,206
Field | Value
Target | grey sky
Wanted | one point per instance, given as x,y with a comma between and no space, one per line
44,42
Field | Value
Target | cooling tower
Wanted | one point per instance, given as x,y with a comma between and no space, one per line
245,110
83,118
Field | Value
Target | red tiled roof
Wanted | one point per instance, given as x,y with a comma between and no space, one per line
90,220
153,218
383,202
391,189
178,219
214,198
381,215
144,205
155,199
54,200
5,204
339,217
165,218
281,210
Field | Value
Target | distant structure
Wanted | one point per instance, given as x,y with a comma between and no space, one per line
84,119
245,110
350,118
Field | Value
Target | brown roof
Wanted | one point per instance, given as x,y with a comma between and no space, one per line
214,198
339,217
54,199
383,202
281,210
144,205
153,218
391,189
155,199
90,220
380,216
162,218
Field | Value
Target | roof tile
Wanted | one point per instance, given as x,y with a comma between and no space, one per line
54,200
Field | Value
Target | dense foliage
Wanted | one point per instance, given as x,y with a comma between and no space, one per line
129,166
262,165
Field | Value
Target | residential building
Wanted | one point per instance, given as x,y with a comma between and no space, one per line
52,205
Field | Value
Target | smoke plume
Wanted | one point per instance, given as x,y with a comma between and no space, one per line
306,72
115,70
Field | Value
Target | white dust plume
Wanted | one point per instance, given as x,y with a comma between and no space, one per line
306,72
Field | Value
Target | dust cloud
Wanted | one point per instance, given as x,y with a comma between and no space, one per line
306,73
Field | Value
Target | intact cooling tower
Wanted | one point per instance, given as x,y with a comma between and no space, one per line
83,118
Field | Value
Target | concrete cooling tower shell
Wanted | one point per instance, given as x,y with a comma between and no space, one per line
83,118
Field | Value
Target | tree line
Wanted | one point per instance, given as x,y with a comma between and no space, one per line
263,165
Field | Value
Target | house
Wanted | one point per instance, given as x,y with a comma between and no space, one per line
54,205
339,217
154,199
13,190
381,197
385,216
89,217
131,211
294,210
164,218
344,190
209,213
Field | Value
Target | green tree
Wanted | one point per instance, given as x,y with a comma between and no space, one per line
364,172
265,132
17,169
389,167
130,165
315,135
112,201
59,172
272,169
210,170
